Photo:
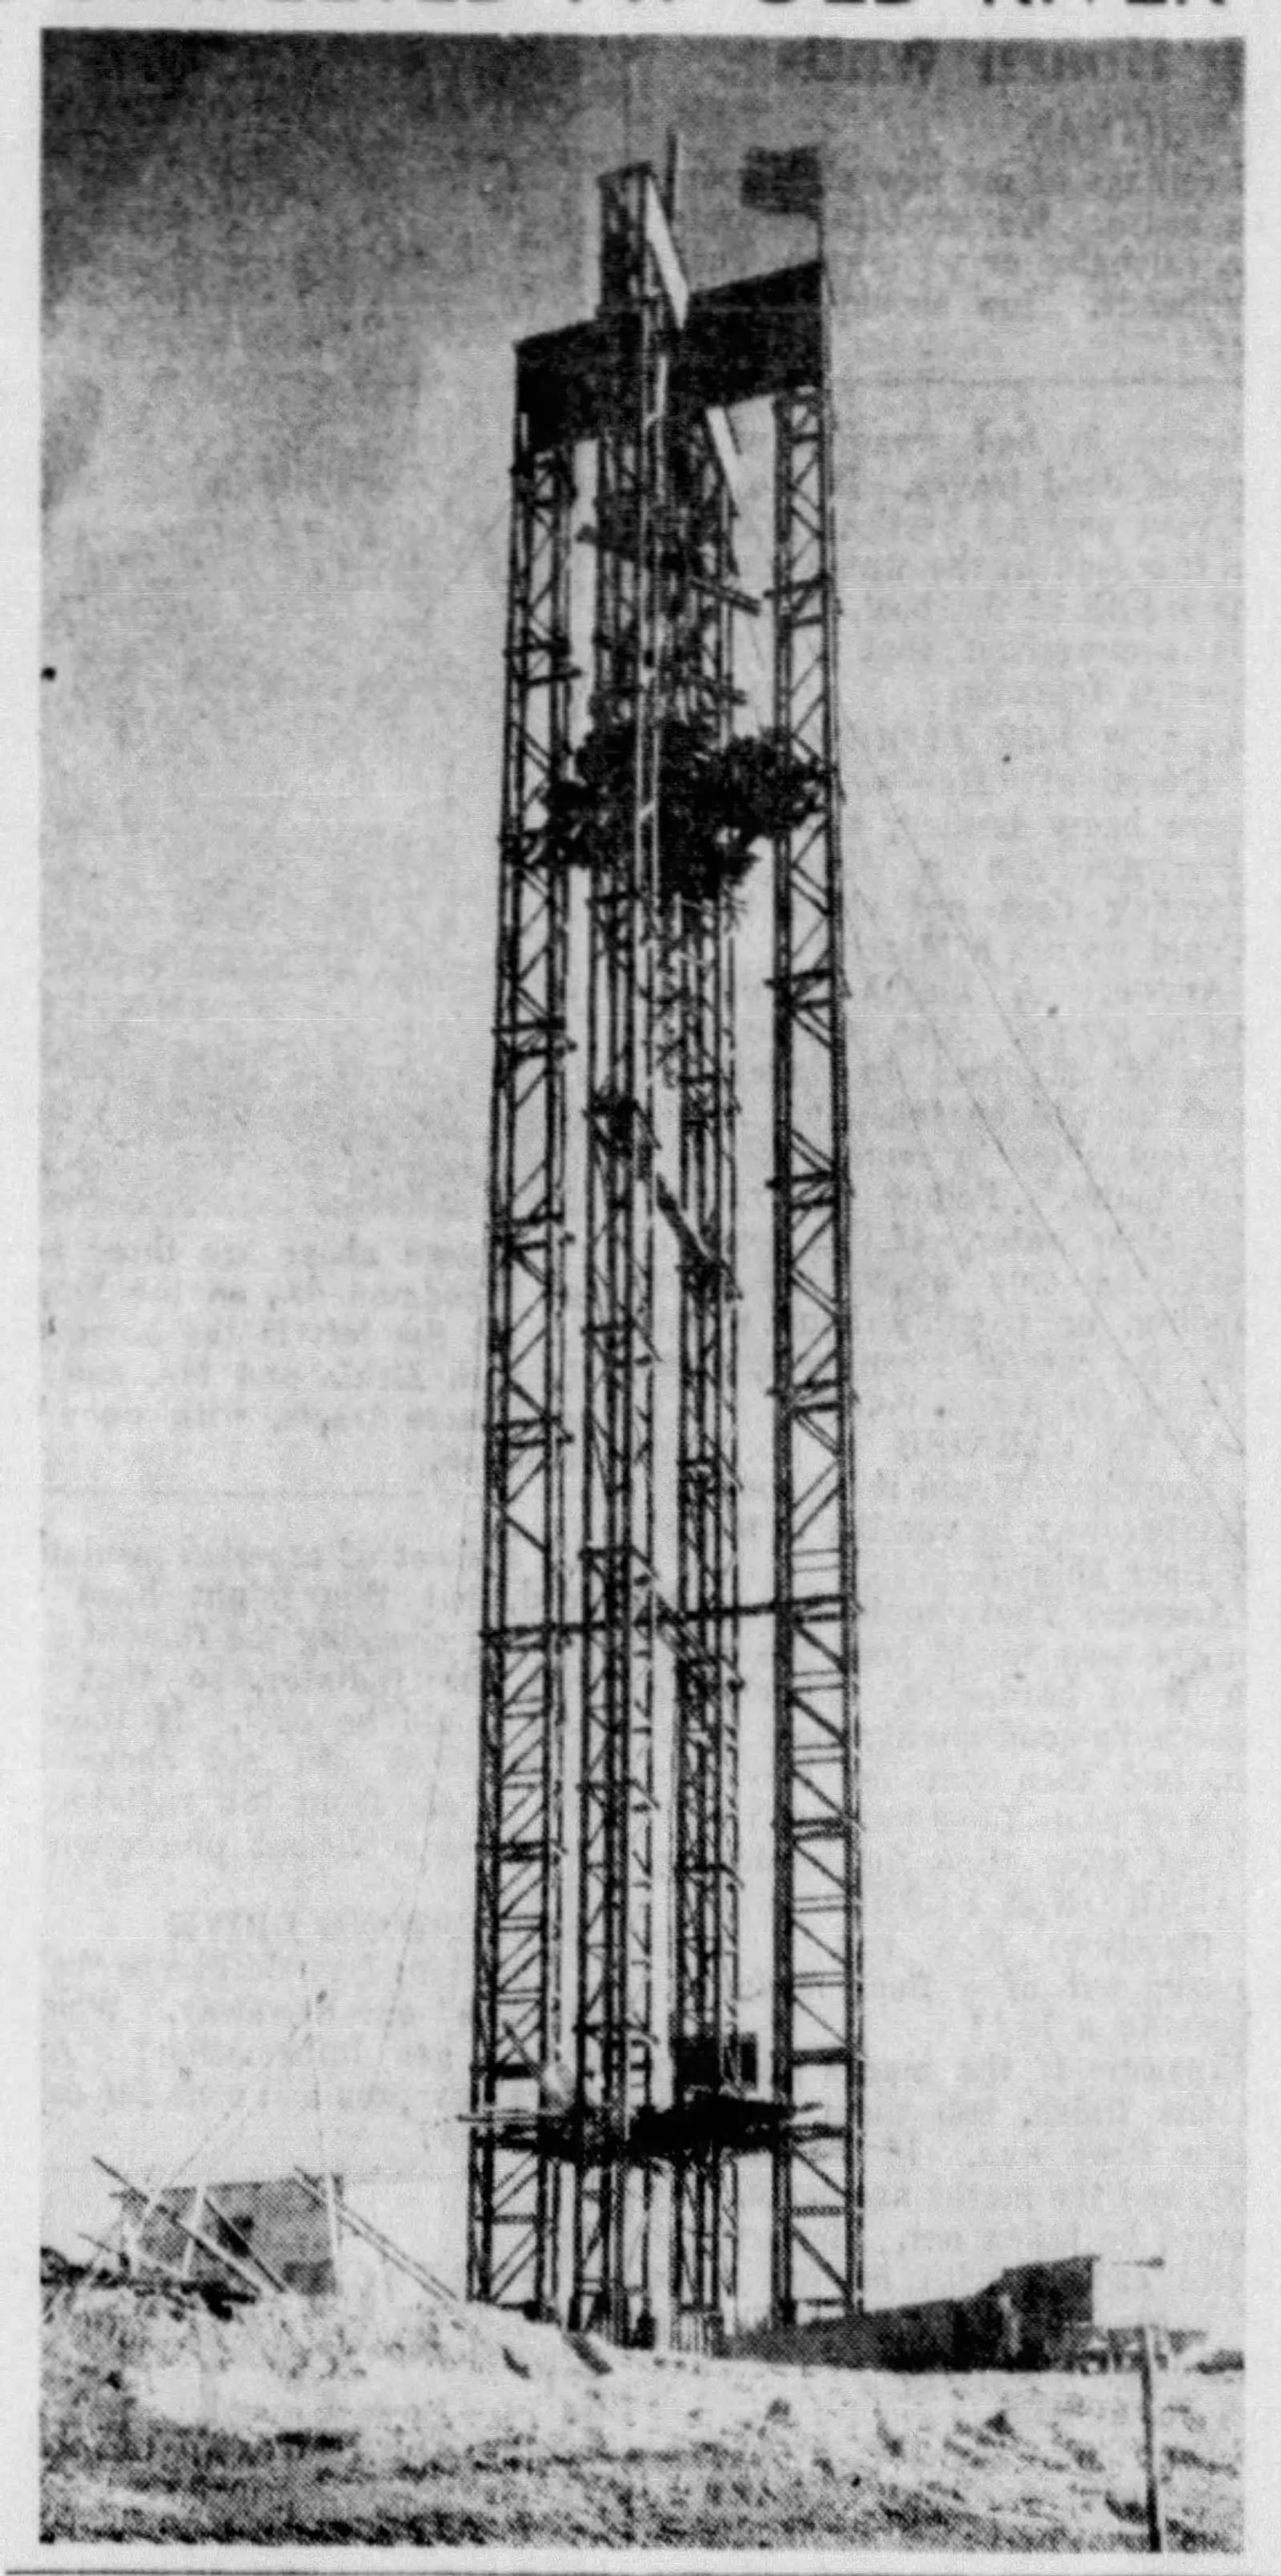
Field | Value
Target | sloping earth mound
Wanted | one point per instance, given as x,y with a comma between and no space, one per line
409,2420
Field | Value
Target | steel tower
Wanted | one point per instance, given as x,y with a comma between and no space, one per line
615,2028
699,924
818,1949
608,1851
517,2009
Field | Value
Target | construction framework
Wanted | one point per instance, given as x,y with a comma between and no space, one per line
517,2008
818,1951
699,927
629,795
616,2037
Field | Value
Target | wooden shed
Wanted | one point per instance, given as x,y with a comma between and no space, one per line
272,2227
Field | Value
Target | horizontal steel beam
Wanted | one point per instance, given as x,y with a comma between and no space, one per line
530,1633
744,342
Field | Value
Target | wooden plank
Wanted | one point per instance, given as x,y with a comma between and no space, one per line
220,2254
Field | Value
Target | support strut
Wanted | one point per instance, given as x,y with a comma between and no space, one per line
817,2257
616,2036
513,2191
704,2234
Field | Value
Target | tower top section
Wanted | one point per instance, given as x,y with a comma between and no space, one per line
747,341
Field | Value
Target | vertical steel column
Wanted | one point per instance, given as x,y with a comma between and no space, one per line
616,2039
513,2192
704,2239
818,2003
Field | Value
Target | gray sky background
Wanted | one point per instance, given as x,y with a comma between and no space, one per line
283,277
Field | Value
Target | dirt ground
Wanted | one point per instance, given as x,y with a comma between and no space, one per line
405,2419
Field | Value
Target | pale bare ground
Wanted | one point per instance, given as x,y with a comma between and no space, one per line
409,2420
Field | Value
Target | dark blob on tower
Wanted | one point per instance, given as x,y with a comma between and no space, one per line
720,804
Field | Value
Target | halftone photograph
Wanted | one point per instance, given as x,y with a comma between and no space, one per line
642,1285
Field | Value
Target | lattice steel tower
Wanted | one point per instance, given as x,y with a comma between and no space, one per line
611,2082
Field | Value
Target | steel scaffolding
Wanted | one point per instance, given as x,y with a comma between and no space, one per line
630,782
818,1968
513,2201
616,2036
701,923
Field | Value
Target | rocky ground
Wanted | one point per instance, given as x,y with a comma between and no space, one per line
411,2420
